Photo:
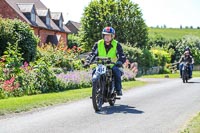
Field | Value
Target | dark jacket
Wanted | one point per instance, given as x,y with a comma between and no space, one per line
188,59
120,54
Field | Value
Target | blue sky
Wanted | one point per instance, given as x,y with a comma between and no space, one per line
172,13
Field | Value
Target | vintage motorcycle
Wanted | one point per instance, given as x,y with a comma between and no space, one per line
103,83
185,72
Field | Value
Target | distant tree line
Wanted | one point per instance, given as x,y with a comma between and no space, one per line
181,27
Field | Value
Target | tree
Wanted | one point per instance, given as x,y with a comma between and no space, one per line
186,27
123,15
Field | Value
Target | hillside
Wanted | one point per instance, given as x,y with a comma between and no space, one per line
173,33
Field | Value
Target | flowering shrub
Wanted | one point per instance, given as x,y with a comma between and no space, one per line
11,62
27,79
10,85
77,79
60,56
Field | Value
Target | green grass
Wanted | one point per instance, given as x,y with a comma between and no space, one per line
173,33
176,75
193,126
26,103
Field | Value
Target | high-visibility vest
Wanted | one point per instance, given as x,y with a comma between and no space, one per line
112,53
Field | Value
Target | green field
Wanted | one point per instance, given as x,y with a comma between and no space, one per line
173,33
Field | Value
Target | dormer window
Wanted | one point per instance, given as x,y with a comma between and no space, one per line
57,17
28,9
47,20
33,16
45,16
60,23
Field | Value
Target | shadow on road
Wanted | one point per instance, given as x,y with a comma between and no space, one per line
193,82
119,109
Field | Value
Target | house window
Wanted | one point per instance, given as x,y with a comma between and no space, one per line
48,20
33,17
60,23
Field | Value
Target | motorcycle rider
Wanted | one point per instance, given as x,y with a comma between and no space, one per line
187,48
109,47
188,59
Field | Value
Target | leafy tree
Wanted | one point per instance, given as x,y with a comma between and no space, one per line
12,31
123,15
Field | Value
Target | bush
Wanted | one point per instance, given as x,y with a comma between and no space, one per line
38,78
12,31
59,56
144,57
10,62
161,57
132,53
10,69
27,79
73,40
176,47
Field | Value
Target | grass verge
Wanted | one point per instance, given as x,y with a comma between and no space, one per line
175,75
26,103
193,126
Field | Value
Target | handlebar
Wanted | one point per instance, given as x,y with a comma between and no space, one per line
103,60
100,60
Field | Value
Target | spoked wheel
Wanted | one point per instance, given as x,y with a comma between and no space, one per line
186,80
183,79
112,100
97,97
184,76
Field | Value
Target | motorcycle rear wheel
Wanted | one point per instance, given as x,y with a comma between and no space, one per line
112,100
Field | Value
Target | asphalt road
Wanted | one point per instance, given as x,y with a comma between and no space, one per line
162,107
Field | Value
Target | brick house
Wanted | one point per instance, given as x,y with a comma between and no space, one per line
74,27
46,24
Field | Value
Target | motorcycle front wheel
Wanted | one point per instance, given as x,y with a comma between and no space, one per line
184,76
97,95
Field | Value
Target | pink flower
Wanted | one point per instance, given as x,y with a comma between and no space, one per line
10,85
74,47
25,64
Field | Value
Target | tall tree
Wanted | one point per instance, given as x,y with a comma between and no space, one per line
123,15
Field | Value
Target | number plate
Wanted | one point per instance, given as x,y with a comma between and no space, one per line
101,69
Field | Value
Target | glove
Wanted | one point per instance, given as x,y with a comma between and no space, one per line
118,64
